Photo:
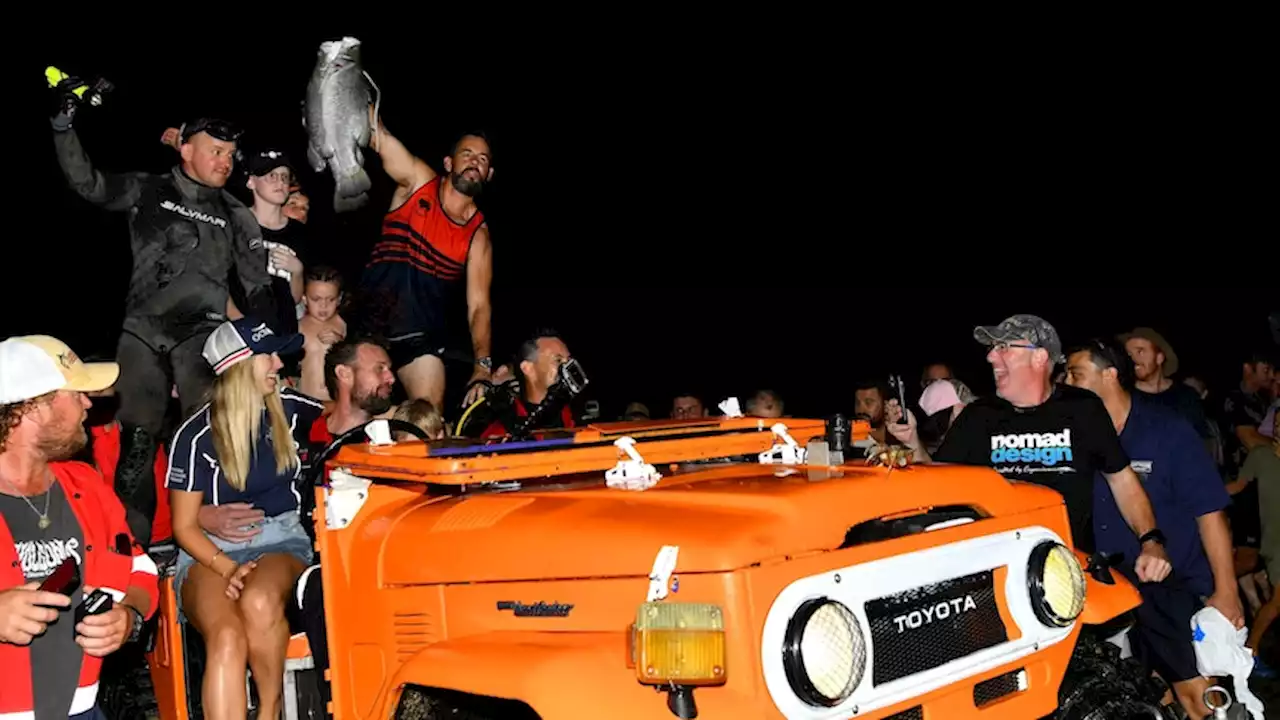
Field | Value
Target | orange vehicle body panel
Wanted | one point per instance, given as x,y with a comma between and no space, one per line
412,583
167,663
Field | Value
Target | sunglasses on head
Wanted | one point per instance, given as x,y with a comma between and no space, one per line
223,130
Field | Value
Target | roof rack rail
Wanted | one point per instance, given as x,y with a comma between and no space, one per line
570,451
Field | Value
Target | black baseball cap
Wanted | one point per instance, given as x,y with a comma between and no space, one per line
261,163
219,129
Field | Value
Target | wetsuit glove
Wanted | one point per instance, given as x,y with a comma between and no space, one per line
67,94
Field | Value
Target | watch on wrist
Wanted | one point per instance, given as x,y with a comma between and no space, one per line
486,363
135,630
1153,534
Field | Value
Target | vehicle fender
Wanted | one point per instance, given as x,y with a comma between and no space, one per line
1103,602
537,668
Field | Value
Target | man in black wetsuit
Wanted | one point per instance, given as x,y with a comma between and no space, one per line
186,234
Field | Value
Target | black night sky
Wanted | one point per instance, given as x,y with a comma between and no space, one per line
752,218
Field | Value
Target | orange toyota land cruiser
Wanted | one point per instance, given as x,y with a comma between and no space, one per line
721,568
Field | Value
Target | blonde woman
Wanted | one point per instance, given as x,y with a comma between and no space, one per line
236,569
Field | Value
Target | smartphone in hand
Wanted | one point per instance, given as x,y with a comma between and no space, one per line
895,383
64,580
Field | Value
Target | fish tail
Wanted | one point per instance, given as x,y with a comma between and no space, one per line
354,184
377,109
349,203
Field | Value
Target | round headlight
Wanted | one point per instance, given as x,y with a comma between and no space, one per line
1057,584
824,652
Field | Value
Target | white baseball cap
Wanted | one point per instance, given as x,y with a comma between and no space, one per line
33,365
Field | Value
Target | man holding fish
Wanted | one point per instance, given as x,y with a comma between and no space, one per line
435,242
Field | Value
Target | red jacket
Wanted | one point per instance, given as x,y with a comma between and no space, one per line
101,518
106,455
497,428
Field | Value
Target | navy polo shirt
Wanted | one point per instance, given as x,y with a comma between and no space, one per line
194,465
1182,482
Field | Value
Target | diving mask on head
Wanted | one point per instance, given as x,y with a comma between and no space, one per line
570,378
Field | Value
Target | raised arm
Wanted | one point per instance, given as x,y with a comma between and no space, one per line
409,172
108,191
479,309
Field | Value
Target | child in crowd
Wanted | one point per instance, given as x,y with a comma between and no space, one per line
321,326
423,414
298,206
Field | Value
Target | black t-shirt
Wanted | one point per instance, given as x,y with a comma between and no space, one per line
1184,401
1239,409
293,235
55,656
1059,444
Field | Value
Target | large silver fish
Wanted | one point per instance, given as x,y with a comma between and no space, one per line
336,118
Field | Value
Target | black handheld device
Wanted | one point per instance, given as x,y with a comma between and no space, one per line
98,602
895,382
64,580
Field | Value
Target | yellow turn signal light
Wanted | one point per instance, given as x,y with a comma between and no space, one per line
678,643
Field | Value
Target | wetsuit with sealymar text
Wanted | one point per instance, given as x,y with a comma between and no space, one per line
185,238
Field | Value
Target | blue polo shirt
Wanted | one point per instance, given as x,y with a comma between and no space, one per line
194,465
1182,482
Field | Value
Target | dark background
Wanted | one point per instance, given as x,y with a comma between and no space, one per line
753,217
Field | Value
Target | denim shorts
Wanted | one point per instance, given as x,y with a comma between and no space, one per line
281,533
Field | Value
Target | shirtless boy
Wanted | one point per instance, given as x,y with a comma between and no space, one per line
321,326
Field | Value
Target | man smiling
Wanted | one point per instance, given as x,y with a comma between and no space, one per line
1051,435
187,234
1189,502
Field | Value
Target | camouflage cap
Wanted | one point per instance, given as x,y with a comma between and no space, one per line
1027,328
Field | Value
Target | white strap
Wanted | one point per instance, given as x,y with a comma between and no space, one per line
663,566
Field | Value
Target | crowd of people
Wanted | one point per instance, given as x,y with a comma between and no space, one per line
230,320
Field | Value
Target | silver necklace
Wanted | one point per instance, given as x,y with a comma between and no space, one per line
45,522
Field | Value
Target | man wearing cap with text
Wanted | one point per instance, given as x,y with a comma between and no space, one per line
1052,435
59,514
187,234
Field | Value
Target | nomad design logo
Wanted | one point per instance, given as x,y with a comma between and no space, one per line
1044,449
193,214
941,611
538,609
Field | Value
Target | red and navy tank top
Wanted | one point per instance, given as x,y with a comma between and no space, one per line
419,263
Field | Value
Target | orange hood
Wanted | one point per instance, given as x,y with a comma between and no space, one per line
721,517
